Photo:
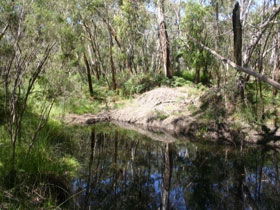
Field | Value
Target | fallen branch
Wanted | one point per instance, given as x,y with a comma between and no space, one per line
249,71
4,31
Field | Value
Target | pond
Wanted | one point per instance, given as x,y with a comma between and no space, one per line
123,169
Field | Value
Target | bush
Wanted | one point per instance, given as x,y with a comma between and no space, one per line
38,168
179,81
186,75
143,82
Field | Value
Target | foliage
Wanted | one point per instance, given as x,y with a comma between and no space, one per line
159,115
47,159
143,82
195,23
51,52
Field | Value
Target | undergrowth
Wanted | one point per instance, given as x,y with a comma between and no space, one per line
41,170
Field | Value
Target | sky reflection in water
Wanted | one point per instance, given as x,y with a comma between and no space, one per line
125,170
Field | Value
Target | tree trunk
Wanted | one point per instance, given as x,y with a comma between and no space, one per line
197,75
90,171
92,49
113,69
237,32
94,63
276,60
164,42
167,174
217,43
237,37
88,76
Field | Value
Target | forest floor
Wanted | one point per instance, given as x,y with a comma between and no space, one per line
188,111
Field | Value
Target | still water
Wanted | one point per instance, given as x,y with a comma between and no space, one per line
123,169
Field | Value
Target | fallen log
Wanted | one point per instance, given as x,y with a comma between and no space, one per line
249,71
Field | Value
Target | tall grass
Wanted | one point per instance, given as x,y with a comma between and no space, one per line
42,171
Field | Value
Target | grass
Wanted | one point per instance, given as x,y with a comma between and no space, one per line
49,159
52,155
160,115
79,102
259,112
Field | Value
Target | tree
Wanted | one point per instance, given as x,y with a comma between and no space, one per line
237,42
195,56
237,34
164,41
23,63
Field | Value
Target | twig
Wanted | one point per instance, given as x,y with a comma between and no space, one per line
72,196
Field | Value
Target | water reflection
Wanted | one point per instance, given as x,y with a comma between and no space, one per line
125,170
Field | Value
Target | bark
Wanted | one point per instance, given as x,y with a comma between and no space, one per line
218,40
129,60
237,46
237,32
164,41
246,70
177,11
100,64
276,60
90,88
197,75
93,61
92,50
113,68
275,55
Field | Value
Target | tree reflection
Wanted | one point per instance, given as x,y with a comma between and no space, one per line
90,171
125,170
167,174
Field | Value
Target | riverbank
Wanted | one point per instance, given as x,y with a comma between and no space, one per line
188,111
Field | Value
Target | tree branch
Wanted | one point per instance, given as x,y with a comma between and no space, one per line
3,31
249,71
259,35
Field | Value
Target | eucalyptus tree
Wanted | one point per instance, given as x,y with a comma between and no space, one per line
196,24
132,23
26,46
164,40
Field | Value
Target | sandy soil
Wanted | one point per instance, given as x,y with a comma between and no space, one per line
174,110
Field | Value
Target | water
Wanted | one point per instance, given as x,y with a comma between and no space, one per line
122,169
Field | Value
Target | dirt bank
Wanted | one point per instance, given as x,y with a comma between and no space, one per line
187,111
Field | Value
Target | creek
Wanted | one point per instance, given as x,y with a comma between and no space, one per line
123,169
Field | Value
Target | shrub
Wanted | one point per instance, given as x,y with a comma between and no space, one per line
141,83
